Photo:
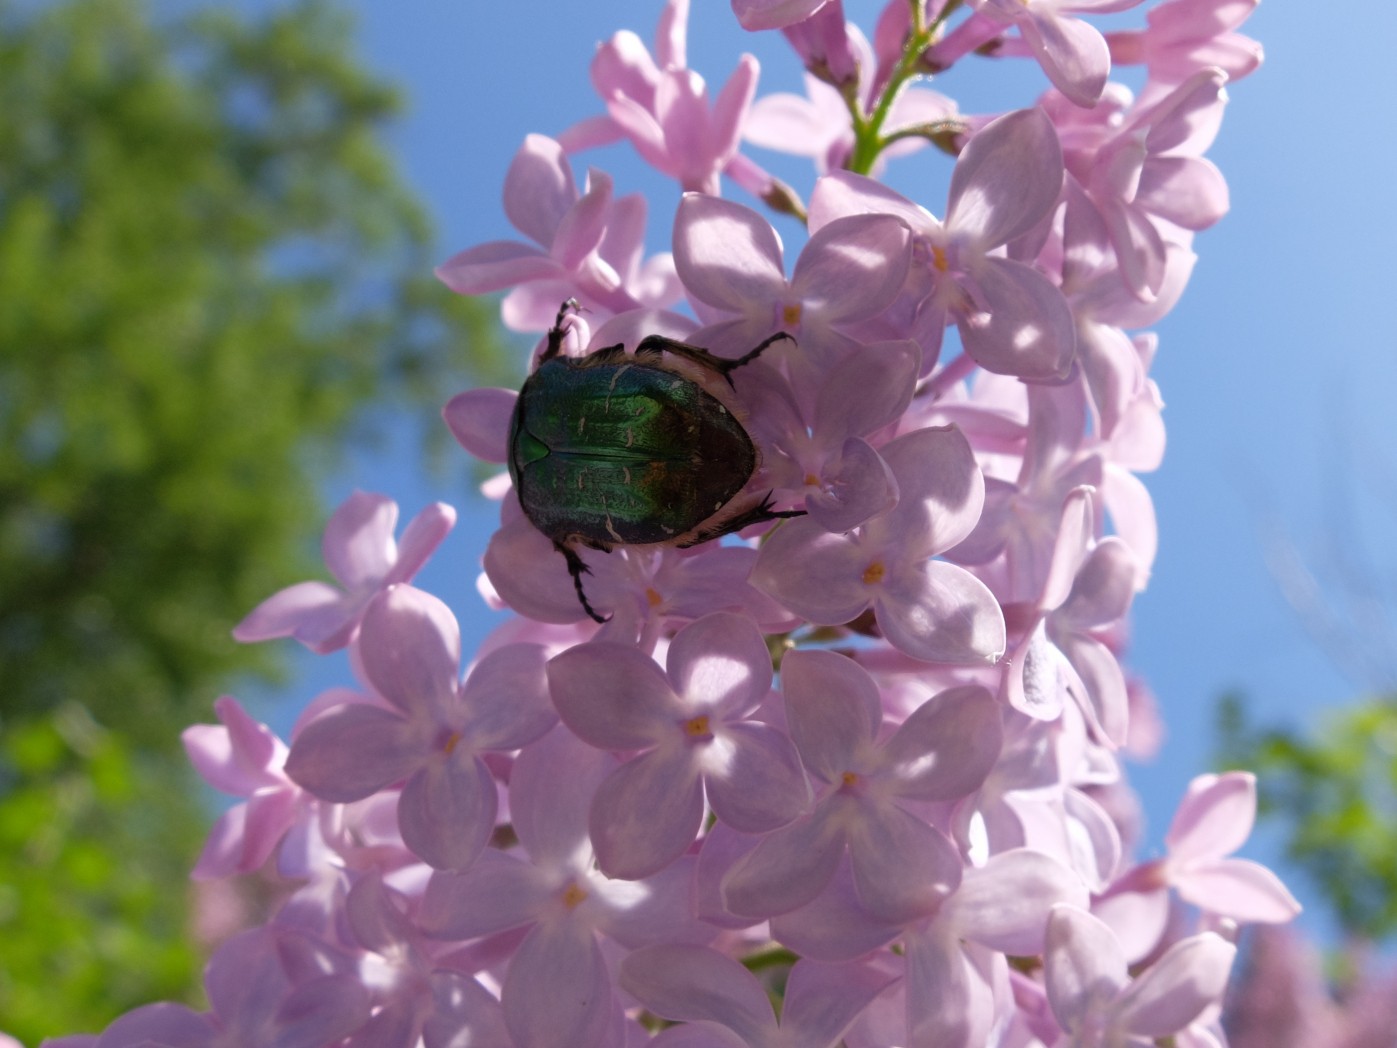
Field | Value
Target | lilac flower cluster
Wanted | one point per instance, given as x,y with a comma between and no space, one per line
870,756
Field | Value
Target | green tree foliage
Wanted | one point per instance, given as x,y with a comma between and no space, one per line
1334,791
210,271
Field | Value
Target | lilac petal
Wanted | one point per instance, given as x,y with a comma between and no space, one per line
423,534
1073,54
321,1011
1188,191
787,869
720,662
773,14
659,909
1085,967
530,575
352,751
315,609
479,420
939,985
550,795
758,783
1237,888
1103,589
1005,903
557,990
939,612
1108,701
1006,179
823,1000
941,491
853,267
495,266
358,544
447,811
1027,330
835,925
269,815
688,983
833,708
234,757
730,111
843,193
410,648
498,893
903,868
582,228
464,1014
1074,533
701,1034
539,189
1214,818
1139,246
1175,989
646,814
859,486
613,696
867,390
508,698
375,919
812,572
727,255
947,747
164,1024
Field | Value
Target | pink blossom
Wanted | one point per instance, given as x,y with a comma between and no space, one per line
663,107
585,246
774,14
691,730
435,732
1012,320
1096,1001
359,550
926,608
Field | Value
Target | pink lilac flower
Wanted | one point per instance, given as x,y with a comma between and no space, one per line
1214,819
691,731
414,996
663,107
712,993
435,730
1072,52
253,1000
730,260
902,866
1150,182
359,550
585,246
1183,36
925,607
1012,320
1097,1002
245,759
557,989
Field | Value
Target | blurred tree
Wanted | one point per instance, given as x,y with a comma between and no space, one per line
210,271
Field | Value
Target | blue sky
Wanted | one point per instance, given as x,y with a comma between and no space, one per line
1278,368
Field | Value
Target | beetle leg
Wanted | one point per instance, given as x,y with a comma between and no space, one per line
576,567
653,345
756,515
557,333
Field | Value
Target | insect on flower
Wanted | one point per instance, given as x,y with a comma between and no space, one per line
644,449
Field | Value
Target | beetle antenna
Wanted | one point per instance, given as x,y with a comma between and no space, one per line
576,567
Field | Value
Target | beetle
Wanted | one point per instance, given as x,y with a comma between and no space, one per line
616,449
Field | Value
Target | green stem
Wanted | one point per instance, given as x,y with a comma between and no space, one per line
869,141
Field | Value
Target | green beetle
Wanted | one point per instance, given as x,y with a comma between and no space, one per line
617,449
